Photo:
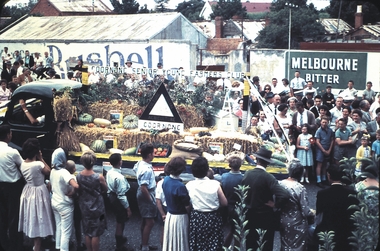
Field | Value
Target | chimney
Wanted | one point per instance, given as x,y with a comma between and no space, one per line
358,17
219,27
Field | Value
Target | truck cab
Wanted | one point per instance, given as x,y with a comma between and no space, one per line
38,97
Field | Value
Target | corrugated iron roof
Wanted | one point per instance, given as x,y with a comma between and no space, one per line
251,29
374,29
90,28
80,6
331,25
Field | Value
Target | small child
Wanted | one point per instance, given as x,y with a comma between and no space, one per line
376,144
364,151
304,151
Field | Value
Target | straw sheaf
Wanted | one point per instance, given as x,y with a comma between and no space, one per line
125,138
189,114
62,106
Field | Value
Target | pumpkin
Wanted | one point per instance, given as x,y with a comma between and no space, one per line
85,118
98,146
99,122
130,121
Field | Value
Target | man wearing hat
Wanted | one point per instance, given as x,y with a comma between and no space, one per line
263,188
7,72
328,98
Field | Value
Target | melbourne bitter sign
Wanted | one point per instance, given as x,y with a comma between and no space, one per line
334,68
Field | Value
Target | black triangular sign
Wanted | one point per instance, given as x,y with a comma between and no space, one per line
156,109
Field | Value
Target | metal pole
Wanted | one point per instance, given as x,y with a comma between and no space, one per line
289,39
337,28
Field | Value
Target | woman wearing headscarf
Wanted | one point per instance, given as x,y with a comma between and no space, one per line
63,184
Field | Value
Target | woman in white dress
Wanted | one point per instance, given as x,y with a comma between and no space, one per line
283,119
36,217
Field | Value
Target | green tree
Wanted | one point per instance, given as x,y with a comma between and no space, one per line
305,25
126,7
15,13
161,5
229,8
371,13
144,9
191,9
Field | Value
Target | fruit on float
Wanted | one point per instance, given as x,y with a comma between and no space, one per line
280,157
99,121
130,151
139,112
85,118
196,130
102,126
98,146
84,148
90,125
130,121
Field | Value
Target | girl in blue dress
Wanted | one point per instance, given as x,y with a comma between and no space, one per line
304,151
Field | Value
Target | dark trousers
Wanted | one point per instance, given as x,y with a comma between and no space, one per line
264,221
10,238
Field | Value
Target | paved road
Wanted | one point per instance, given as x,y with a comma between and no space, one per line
132,229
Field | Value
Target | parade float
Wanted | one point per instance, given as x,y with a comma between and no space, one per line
112,118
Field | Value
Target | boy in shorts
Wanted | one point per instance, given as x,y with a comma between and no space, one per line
118,186
146,194
324,142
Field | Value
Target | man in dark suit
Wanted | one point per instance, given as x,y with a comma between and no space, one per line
303,116
7,72
332,209
374,125
263,189
28,60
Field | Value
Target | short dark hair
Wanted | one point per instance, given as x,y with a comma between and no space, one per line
323,107
282,107
235,163
348,108
199,167
3,81
352,81
176,166
31,148
358,112
310,102
12,86
115,159
300,104
343,120
335,171
318,96
325,118
4,131
146,149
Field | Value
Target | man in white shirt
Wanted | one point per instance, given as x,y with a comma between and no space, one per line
297,83
374,106
309,88
277,88
350,91
11,186
336,112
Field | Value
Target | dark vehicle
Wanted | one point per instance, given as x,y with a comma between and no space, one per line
38,97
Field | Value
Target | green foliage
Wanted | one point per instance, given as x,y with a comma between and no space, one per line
328,241
144,9
371,14
161,5
305,26
348,167
257,16
228,8
126,7
191,9
15,13
241,232
366,220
